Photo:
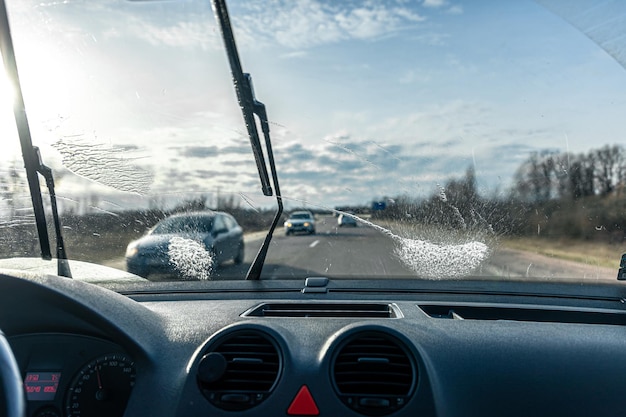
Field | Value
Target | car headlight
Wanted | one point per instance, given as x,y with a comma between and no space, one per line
307,224
131,250
287,224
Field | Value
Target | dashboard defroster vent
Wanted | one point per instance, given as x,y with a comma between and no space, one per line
374,374
330,310
240,371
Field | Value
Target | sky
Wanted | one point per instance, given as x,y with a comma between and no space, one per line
132,101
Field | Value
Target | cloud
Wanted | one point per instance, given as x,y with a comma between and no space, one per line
198,151
242,149
349,169
428,147
413,76
434,3
307,23
181,34
192,26
213,173
433,39
456,9
294,55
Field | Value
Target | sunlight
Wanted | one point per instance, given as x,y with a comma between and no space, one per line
6,90
43,94
8,131
7,93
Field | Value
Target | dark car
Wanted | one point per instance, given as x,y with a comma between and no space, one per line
211,238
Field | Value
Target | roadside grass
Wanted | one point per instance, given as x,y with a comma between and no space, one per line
98,245
576,250
588,252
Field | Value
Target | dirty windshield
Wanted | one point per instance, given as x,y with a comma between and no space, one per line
457,139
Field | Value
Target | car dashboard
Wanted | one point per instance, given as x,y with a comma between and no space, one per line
320,347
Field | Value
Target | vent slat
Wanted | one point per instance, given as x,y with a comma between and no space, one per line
353,356
351,376
252,368
373,365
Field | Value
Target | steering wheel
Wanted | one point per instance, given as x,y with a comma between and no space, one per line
11,392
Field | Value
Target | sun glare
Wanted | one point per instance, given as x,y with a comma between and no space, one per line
6,90
7,121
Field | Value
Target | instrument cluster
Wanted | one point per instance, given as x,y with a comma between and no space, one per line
73,375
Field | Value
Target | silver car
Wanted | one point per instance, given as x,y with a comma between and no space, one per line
300,221
217,234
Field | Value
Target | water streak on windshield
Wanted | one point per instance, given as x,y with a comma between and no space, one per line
432,260
107,165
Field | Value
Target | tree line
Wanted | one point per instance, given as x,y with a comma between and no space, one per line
549,175
554,195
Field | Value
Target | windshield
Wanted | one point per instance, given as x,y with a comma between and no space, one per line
465,138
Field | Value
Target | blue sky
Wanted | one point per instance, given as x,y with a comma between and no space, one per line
366,99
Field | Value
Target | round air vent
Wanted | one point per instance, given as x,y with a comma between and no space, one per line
240,370
374,374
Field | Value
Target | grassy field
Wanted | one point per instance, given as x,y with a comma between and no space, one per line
588,252
577,250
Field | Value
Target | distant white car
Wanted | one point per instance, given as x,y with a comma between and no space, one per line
346,220
300,221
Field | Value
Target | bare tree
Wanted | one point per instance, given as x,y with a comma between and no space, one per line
608,167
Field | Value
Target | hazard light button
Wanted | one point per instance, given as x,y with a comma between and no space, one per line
303,404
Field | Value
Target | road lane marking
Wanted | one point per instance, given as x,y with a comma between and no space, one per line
314,244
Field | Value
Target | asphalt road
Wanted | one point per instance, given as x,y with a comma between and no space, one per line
331,251
365,251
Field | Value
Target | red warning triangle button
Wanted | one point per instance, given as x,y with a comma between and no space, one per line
303,404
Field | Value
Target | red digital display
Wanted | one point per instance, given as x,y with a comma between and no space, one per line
41,386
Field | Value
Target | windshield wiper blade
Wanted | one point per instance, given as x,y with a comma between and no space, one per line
249,107
30,154
259,109
243,90
63,265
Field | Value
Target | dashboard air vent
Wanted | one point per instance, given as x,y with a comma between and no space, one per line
374,374
336,310
240,371
524,313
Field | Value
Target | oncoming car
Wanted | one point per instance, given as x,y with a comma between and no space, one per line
214,237
480,144
300,221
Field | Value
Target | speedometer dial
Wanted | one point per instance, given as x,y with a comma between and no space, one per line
101,387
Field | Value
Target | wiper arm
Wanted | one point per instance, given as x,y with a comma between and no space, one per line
259,109
244,91
63,266
249,107
30,154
